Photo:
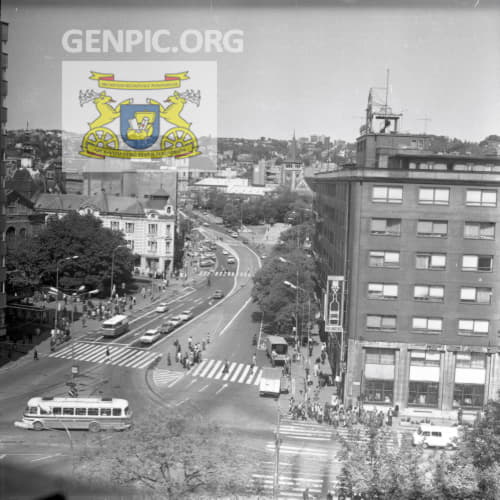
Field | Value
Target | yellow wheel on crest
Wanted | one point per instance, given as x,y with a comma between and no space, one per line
177,138
100,137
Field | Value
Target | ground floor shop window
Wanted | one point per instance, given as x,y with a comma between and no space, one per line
423,394
379,391
468,395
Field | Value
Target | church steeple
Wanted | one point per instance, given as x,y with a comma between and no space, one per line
292,153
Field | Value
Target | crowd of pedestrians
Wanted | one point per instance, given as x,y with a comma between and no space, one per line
190,357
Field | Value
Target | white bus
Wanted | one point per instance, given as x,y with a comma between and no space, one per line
115,326
93,414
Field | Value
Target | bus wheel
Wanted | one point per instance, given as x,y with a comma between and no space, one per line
94,427
38,426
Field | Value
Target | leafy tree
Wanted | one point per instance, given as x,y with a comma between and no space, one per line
172,455
184,229
74,235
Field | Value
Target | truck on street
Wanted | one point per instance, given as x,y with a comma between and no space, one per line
270,382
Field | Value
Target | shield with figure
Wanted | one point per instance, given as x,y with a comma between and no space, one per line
140,124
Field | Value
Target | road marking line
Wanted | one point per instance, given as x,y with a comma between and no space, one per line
257,380
192,382
221,389
253,375
203,388
45,458
235,316
180,402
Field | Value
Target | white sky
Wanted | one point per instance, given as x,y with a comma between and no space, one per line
308,69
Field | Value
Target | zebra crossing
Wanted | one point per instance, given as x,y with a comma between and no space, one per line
123,356
225,273
311,463
240,373
162,377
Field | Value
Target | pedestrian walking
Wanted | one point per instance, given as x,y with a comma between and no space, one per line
460,416
35,355
226,367
107,352
389,417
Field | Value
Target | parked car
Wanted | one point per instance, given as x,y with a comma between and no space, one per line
185,315
206,224
234,235
218,294
162,307
225,252
231,260
206,263
150,336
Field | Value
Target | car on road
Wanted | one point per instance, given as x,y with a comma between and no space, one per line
167,327
174,320
231,260
162,307
225,252
263,256
206,263
218,294
185,315
206,224
150,336
234,234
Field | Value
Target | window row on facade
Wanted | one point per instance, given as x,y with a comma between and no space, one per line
432,293
435,196
129,228
430,260
421,324
433,228
423,380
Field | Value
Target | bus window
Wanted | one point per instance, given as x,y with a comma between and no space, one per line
68,411
82,412
56,411
117,412
126,411
44,411
105,412
93,412
32,410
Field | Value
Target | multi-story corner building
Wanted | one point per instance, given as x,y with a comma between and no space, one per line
3,216
148,225
416,238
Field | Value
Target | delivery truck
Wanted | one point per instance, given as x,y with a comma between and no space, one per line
270,382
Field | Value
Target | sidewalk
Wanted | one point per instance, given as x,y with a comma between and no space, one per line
42,343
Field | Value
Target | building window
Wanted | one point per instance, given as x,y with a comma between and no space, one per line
482,263
435,261
479,230
379,391
427,325
432,293
470,360
152,246
382,291
473,327
475,295
432,228
387,227
481,198
380,322
387,194
167,246
425,358
129,227
383,259
468,395
379,356
168,228
423,393
115,225
152,228
434,196
130,244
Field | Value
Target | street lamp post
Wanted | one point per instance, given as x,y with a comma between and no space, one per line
73,257
296,303
113,269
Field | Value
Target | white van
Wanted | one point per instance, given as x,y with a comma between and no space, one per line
436,436
270,382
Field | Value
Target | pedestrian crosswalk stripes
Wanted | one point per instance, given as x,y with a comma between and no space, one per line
240,373
296,429
163,377
123,356
225,273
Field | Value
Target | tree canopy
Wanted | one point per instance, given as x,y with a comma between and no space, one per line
173,454
35,260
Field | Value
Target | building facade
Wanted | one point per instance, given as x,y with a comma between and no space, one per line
3,216
414,235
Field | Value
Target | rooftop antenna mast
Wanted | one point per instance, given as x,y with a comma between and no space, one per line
386,107
425,119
